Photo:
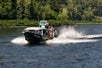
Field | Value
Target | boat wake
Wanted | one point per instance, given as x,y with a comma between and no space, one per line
66,35
70,35
19,41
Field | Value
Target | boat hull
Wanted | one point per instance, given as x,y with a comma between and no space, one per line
37,34
33,38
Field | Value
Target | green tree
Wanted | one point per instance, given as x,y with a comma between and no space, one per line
63,15
88,14
5,9
50,9
13,11
27,5
72,9
20,9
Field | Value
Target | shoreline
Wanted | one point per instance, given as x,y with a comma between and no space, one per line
30,23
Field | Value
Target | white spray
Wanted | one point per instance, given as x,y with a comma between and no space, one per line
70,35
19,40
69,32
66,35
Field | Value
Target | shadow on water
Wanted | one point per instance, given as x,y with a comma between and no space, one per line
35,44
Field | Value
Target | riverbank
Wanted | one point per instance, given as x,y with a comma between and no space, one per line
21,23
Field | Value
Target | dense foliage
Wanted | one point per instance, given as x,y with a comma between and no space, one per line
50,9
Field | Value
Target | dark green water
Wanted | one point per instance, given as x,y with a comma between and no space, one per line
69,55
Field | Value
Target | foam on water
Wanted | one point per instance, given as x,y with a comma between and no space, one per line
70,35
69,32
66,35
67,41
19,40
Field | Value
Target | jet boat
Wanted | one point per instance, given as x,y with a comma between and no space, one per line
40,33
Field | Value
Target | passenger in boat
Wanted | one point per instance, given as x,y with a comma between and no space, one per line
47,25
51,31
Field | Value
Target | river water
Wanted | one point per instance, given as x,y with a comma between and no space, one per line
76,47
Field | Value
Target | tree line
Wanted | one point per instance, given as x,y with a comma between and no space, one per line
50,9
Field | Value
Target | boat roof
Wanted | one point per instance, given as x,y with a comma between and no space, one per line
33,28
43,21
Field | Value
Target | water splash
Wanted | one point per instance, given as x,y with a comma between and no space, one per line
70,35
67,41
66,35
19,40
69,32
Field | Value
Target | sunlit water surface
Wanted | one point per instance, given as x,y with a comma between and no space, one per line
75,47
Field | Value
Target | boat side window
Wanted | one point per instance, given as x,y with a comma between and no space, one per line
31,31
37,32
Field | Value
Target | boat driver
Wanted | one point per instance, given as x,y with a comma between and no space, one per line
47,25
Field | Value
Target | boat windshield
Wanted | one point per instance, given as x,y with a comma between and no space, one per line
43,24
